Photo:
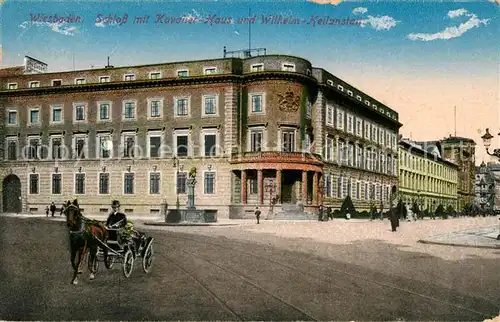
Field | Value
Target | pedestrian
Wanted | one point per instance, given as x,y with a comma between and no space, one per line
62,209
393,216
52,208
46,211
257,214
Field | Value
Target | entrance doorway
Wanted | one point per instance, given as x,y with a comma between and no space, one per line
11,194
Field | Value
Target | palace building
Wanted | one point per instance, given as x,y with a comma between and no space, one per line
425,176
258,130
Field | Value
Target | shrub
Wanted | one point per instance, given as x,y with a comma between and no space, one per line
450,211
401,210
347,207
440,212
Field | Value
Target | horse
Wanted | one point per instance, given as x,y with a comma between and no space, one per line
84,235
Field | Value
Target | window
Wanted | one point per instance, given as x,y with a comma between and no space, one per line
80,81
155,75
181,182
329,148
329,82
104,111
128,143
374,133
209,70
80,183
56,183
308,109
34,182
12,86
381,136
209,143
104,79
154,183
80,147
34,116
12,149
181,143
257,67
34,84
12,118
128,184
154,144
55,145
349,93
254,186
104,145
359,156
79,112
358,190
209,183
129,77
341,152
103,183
329,115
288,140
359,127
210,104
287,67
56,82
56,112
359,98
181,106
33,148
128,110
155,107
350,123
256,139
367,102
328,185
256,101
340,88
367,130
340,119
350,154
366,191
339,187
183,73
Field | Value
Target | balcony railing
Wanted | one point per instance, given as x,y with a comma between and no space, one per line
283,156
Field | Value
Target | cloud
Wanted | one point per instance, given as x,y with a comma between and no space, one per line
61,28
379,23
452,32
359,11
333,2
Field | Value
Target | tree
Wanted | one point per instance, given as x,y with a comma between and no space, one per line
347,207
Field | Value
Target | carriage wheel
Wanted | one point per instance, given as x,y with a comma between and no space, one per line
109,260
147,258
128,263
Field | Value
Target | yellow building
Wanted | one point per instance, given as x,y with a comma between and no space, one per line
425,177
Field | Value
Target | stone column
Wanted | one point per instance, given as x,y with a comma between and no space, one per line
278,183
260,182
243,186
304,187
315,189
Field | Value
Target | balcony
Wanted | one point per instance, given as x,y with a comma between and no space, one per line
277,157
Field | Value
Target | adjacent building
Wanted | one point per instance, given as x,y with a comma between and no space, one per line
425,176
256,129
484,187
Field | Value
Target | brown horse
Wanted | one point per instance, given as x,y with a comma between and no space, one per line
84,234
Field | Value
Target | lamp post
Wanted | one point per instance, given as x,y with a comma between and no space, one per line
177,166
496,153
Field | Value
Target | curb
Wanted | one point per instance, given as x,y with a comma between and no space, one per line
187,224
459,245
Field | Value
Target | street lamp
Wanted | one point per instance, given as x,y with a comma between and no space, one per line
177,166
487,143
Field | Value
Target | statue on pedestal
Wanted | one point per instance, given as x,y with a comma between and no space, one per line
191,182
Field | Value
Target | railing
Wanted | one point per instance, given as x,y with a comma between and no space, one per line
278,154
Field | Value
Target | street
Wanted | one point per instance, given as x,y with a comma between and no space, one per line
200,277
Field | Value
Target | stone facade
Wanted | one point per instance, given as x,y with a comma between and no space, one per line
258,130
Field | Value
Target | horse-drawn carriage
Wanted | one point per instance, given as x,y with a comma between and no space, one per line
121,248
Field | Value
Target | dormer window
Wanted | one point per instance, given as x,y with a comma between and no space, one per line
367,102
34,84
350,93
155,75
287,67
340,88
12,86
80,81
329,82
104,79
209,70
257,68
56,82
183,73
359,98
129,77
375,107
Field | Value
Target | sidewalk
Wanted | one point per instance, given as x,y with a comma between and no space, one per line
481,237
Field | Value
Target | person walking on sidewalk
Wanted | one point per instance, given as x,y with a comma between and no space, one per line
53,208
257,214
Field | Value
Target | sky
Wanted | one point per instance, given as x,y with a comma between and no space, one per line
424,59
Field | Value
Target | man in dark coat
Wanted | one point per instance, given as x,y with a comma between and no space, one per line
257,214
394,217
53,208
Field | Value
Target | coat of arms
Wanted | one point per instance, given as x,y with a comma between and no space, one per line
288,102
